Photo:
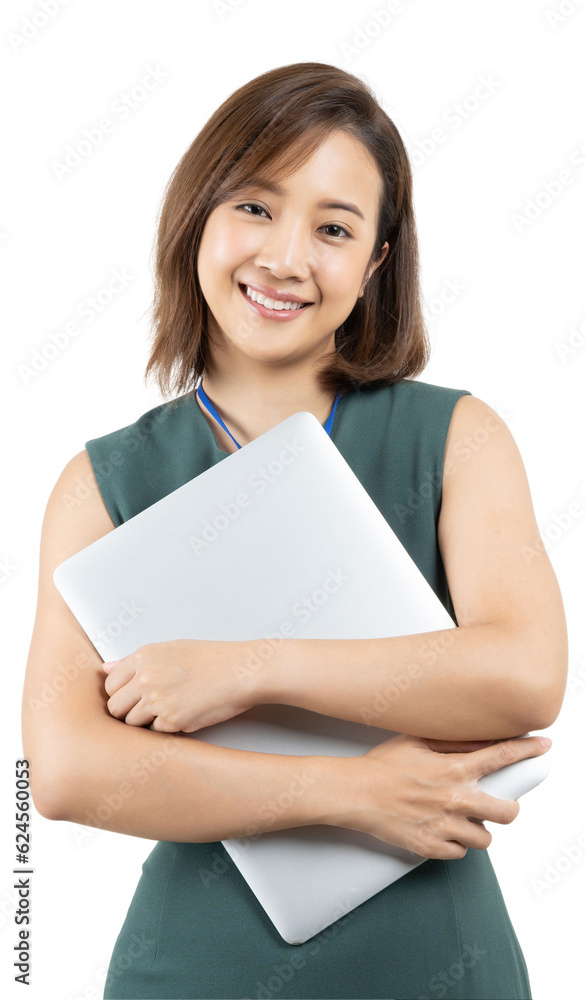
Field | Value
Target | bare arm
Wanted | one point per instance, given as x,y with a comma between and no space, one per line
90,768
503,671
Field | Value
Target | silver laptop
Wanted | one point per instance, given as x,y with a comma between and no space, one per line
277,540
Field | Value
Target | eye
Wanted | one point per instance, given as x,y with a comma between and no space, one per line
332,225
251,204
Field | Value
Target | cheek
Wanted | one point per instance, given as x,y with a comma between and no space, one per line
229,248
216,248
340,279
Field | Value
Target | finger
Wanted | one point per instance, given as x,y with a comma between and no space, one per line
457,746
500,754
488,807
140,715
123,701
475,835
119,676
448,850
163,727
112,663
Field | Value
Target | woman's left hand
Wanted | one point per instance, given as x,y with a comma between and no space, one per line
185,684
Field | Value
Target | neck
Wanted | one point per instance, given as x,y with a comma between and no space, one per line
251,404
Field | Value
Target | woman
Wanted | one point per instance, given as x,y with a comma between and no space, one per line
287,280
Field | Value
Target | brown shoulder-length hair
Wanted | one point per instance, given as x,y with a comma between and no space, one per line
254,133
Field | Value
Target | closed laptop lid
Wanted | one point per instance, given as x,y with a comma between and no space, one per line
278,540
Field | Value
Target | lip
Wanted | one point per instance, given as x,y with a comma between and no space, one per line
274,293
279,315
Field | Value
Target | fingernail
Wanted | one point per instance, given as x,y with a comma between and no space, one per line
545,741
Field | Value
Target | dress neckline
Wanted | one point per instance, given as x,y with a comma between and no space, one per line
213,439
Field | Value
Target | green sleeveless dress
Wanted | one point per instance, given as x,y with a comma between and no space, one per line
194,929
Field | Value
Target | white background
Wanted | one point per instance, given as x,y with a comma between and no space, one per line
521,298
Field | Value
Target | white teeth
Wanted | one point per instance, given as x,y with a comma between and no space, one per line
271,303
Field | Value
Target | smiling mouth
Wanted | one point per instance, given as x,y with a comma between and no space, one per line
275,305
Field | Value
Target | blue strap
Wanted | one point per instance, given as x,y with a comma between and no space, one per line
209,405
329,423
207,402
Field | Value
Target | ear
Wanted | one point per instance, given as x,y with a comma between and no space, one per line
372,268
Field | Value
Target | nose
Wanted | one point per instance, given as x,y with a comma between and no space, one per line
286,251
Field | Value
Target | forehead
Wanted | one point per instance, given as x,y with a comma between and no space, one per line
341,167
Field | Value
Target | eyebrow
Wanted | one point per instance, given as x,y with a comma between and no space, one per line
265,185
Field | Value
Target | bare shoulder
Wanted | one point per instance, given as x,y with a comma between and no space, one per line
75,514
476,430
484,477
485,489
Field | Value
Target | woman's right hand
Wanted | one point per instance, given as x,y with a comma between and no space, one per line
422,795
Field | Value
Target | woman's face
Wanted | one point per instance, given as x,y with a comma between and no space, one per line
301,240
